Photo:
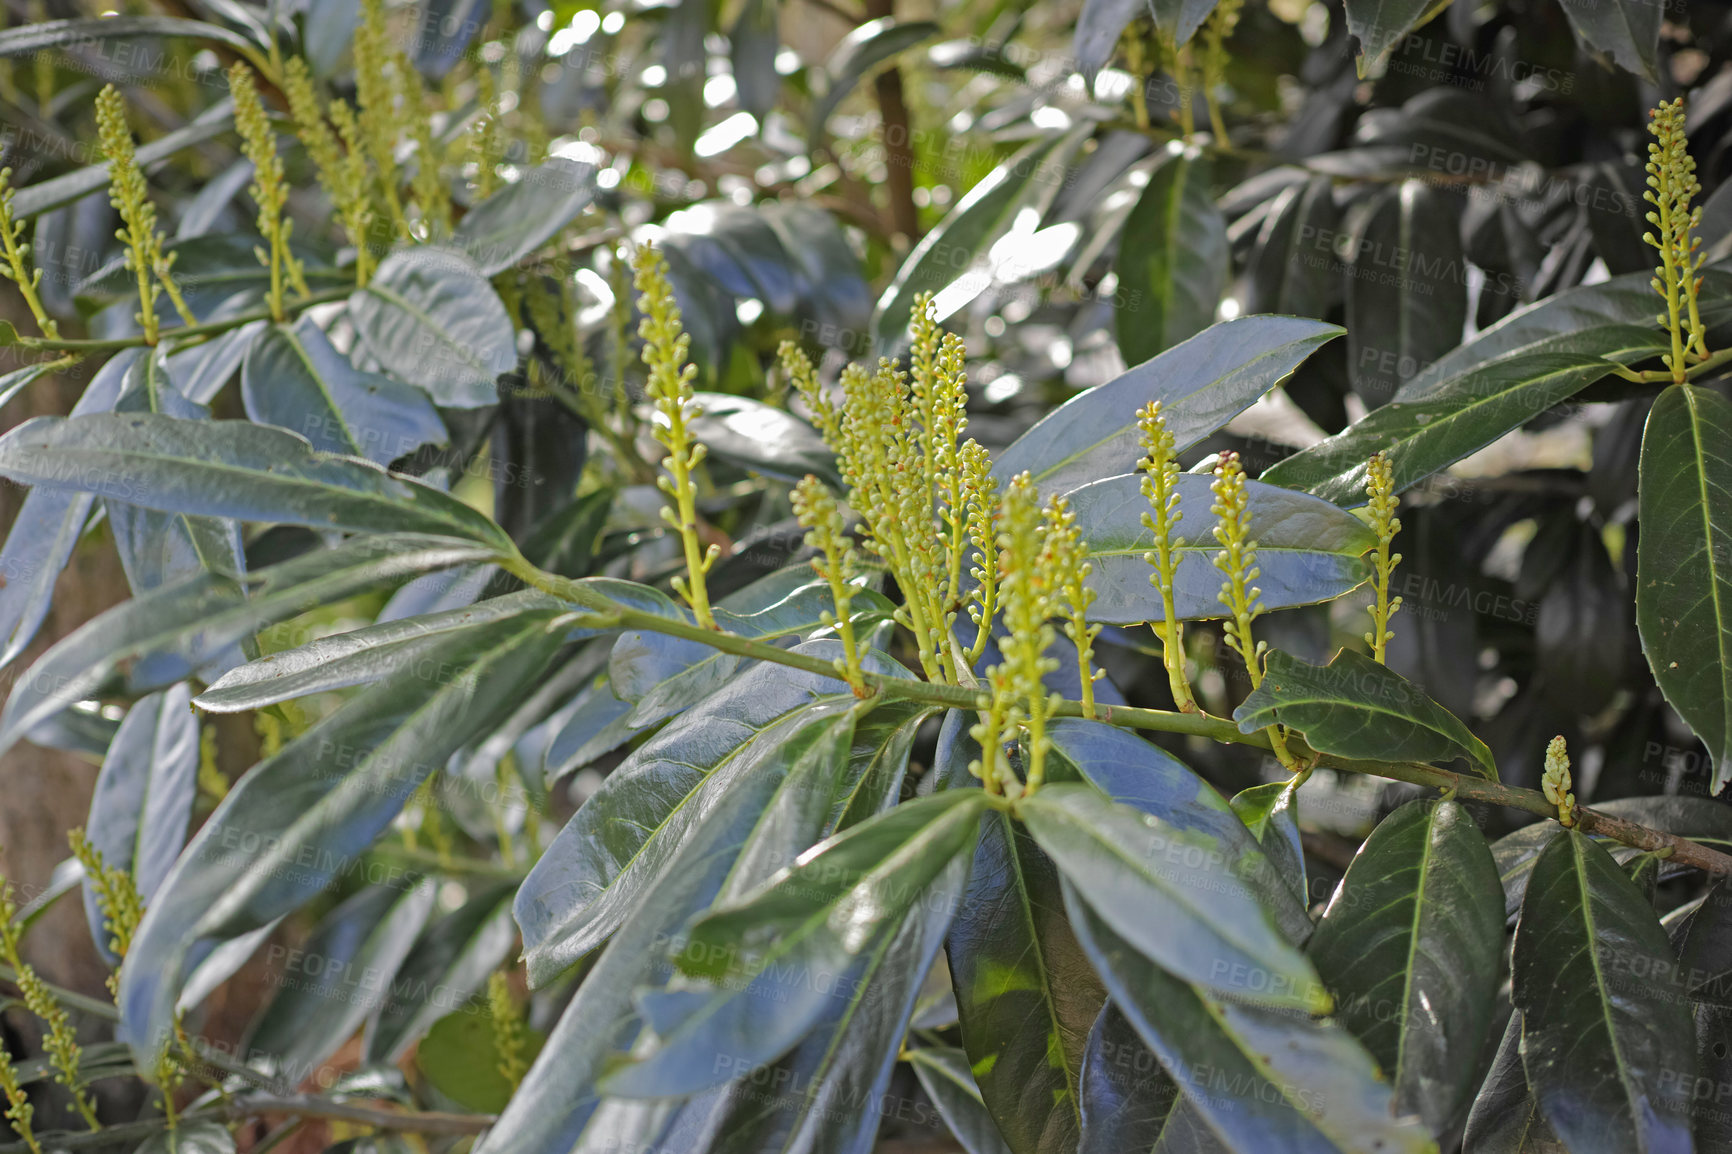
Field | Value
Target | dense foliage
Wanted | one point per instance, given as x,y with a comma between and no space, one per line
1228,651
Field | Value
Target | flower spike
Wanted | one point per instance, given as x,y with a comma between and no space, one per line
1380,487
1671,185
1555,781
816,509
1160,468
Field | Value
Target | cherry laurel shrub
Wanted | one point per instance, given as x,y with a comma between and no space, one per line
665,727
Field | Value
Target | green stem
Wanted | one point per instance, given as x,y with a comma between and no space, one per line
185,332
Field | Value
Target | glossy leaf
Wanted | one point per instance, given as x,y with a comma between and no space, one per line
1628,31
1173,261
1380,25
1307,549
521,217
1295,269
300,819
1173,894
1505,1119
200,1136
1355,708
782,945
165,636
230,469
1262,1079
1102,22
1128,1100
944,1075
340,976
761,438
295,378
1271,812
143,799
1684,563
1411,946
30,39
1201,383
1610,1053
1025,993
431,318
867,47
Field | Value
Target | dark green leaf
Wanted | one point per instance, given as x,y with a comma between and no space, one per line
1609,1050
334,982
1128,1101
1307,549
165,636
1172,263
200,1136
30,39
1626,30
1174,894
754,42
596,724
1202,384
1411,947
860,52
521,217
143,799
944,1075
1262,1079
1294,269
1684,563
446,966
1355,708
1406,287
1379,25
1025,993
1270,811
775,954
460,1057
1505,1119
431,318
301,818
1102,22
761,438
295,378
230,469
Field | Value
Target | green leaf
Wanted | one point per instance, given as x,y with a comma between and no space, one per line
1128,1101
1307,549
1421,437
167,635
521,217
1380,25
1401,319
1025,993
1609,1050
295,378
1684,563
143,799
431,318
1271,812
1626,30
1411,946
200,1136
1201,383
761,438
460,1058
447,965
1262,1079
944,1075
301,818
1505,1119
1696,818
343,972
1173,260
30,39
595,872
1102,22
231,469
947,252
1355,708
1174,894
1294,269
359,657
858,54
772,956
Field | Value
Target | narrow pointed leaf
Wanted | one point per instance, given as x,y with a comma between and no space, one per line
944,1075
1173,261
1355,708
1609,1051
1128,1101
1201,383
1684,563
1394,330
1173,894
1505,1118
1411,946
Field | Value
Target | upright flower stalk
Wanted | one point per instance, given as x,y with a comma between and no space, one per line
816,509
127,192
1026,586
1237,562
670,391
1555,781
1380,488
58,1037
1671,185
342,171
1064,559
17,265
269,190
1160,469
116,897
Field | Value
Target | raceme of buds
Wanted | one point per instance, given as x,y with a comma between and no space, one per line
1026,596
1555,781
1380,488
1671,185
17,266
1237,560
269,190
797,367
980,490
19,1111
816,509
342,172
130,198
380,121
1064,558
58,1039
1160,469
669,389
510,1032
116,895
